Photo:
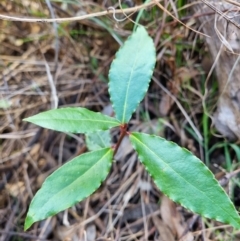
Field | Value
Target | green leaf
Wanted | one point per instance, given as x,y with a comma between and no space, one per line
130,73
184,178
4,103
73,120
70,184
98,140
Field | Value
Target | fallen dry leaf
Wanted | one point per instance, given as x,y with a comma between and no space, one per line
163,229
173,219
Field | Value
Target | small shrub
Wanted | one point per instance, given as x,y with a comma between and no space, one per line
176,171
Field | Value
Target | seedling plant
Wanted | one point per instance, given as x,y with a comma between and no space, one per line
176,172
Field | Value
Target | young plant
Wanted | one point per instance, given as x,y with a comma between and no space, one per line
176,171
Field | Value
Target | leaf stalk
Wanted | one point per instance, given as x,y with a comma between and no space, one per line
123,132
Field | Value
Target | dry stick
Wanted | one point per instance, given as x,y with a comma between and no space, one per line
9,223
233,2
204,14
54,97
44,228
209,75
77,18
159,32
221,13
231,73
57,43
229,76
116,194
145,226
180,107
223,181
211,229
165,10
126,199
25,235
91,15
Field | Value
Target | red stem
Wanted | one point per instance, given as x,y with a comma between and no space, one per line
123,132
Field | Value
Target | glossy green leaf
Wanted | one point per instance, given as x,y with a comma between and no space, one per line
73,120
184,178
98,140
130,73
71,183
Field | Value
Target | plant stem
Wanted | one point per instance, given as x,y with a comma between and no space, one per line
123,132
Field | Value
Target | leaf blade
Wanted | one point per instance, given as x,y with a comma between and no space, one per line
73,120
130,73
185,180
69,184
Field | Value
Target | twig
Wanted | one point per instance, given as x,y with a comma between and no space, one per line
223,181
91,15
221,13
233,2
25,235
181,108
55,27
77,18
165,10
116,194
54,97
9,223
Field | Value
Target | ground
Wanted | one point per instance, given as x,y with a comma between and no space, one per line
67,63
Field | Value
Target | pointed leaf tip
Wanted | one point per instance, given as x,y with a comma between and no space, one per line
28,223
184,178
71,183
130,73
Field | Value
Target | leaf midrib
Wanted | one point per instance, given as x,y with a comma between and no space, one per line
234,218
129,82
75,120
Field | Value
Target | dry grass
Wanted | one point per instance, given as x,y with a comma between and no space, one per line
40,66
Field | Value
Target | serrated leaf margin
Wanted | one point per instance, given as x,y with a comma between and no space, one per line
218,218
